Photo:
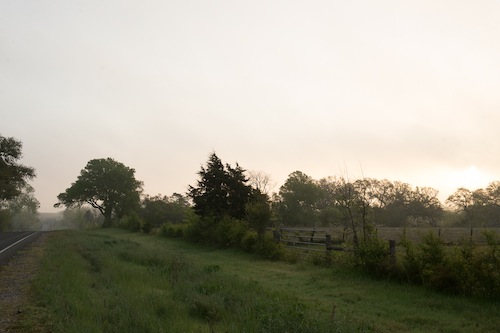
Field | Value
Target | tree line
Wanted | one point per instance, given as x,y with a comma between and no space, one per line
106,193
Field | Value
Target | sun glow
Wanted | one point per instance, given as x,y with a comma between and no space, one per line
471,178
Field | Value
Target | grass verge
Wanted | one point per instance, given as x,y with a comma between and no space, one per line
114,281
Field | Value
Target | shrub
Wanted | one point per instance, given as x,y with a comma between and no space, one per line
411,266
267,248
436,266
373,257
249,240
229,232
132,222
172,230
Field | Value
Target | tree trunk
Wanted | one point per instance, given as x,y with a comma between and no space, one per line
107,218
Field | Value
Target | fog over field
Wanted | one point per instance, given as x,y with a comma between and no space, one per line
405,91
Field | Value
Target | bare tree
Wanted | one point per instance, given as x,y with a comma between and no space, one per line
261,181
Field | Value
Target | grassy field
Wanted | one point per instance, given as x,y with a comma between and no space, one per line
115,281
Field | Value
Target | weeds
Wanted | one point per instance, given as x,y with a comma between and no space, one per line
121,286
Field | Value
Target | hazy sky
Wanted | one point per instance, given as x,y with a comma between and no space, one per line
402,90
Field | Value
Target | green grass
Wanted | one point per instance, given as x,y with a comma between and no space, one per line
115,281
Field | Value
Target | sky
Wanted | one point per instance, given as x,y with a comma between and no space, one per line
399,90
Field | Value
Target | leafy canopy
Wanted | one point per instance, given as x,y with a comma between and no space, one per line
106,185
13,176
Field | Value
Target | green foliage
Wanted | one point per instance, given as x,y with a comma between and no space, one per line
229,231
467,269
81,218
108,284
173,230
411,266
298,199
18,206
249,240
267,248
258,212
322,259
134,222
159,210
373,257
106,185
13,176
4,220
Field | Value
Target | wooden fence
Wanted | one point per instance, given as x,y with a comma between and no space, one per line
338,239
311,239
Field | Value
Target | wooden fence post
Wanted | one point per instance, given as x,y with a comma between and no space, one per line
277,236
312,235
328,242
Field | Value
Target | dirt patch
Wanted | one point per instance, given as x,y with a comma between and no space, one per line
15,282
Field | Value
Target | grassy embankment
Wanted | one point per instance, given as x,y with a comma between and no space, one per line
114,281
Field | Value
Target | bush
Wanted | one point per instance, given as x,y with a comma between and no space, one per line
132,222
249,240
373,257
229,232
172,230
411,266
267,248
436,266
467,269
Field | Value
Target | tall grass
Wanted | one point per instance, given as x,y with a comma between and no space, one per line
115,281
92,282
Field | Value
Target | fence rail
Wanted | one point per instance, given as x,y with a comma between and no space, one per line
310,239
328,239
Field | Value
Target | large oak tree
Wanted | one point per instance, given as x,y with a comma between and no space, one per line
13,180
106,185
13,175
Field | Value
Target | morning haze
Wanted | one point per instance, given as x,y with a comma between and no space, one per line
402,91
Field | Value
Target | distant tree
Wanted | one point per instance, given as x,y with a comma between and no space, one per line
477,208
159,210
486,208
260,181
462,200
330,213
24,202
424,207
13,176
298,200
462,204
23,210
220,191
106,185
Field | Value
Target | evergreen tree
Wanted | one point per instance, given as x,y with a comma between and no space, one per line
220,191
